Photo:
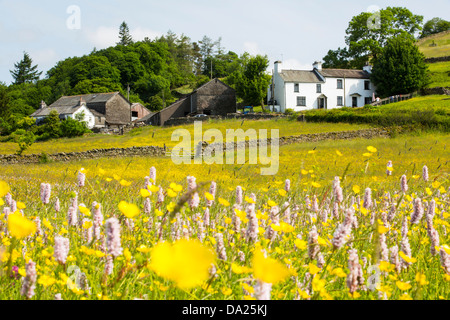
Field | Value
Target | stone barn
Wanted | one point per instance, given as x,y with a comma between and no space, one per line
108,109
212,98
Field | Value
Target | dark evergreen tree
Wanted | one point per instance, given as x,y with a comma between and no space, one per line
24,71
400,68
125,38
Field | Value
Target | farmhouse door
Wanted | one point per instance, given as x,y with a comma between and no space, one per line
354,102
321,103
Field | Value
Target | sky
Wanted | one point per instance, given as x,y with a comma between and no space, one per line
297,32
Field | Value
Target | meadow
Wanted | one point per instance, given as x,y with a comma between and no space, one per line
437,45
338,221
160,136
439,74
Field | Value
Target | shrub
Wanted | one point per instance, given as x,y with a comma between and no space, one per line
24,139
72,128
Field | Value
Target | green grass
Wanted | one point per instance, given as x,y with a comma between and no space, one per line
442,48
158,136
426,112
439,74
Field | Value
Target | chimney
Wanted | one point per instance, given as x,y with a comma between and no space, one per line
317,65
43,104
82,102
277,66
367,68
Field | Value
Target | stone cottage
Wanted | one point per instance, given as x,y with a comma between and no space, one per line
212,98
111,110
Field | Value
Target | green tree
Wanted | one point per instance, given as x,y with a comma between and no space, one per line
251,81
337,59
4,101
52,125
433,26
125,38
399,68
24,139
24,70
367,33
73,127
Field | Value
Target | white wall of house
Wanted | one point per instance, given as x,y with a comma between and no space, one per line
286,97
88,116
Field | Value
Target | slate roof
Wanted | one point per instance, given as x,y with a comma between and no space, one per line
300,76
305,76
70,104
43,112
345,73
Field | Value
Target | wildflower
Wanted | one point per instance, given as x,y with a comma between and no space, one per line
160,196
403,285
341,234
252,226
417,214
313,245
262,290
222,254
224,202
268,270
57,205
81,177
371,149
19,226
212,192
29,283
356,189
337,190
287,185
425,173
45,192
367,198
72,216
112,228
355,276
128,209
445,260
196,260
152,175
97,219
109,265
389,168
403,183
58,296
239,195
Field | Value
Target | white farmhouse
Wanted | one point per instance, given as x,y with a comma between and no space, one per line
65,112
319,88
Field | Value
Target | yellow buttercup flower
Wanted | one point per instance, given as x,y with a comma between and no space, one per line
301,244
371,149
153,188
313,269
144,193
128,209
209,196
356,189
406,258
267,269
315,184
84,211
248,199
4,188
282,192
194,258
403,285
338,153
240,269
224,202
19,226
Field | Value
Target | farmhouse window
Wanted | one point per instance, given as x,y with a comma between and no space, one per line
296,87
301,101
339,83
318,88
366,85
340,101
367,100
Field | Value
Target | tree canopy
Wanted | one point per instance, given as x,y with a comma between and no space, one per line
367,33
399,68
125,38
433,26
24,71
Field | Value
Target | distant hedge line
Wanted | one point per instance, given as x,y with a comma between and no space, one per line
425,118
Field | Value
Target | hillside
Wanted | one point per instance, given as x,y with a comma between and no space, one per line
436,45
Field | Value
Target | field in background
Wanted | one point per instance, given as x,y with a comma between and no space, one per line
439,74
441,48
158,136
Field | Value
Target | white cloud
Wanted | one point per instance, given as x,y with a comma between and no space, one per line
294,64
138,34
104,37
252,48
44,56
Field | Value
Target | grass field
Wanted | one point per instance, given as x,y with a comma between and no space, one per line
158,136
305,258
441,47
439,74
424,111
